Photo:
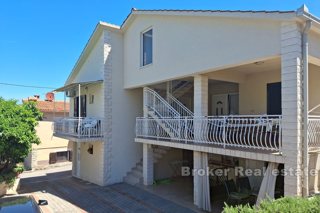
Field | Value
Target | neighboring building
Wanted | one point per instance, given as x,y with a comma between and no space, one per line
52,149
199,88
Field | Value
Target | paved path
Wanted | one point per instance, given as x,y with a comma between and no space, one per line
67,194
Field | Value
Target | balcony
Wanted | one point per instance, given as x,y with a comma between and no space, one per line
79,129
314,133
250,132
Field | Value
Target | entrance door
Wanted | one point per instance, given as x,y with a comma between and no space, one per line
83,105
274,99
220,104
225,104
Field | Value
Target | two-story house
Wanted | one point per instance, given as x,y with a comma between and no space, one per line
203,88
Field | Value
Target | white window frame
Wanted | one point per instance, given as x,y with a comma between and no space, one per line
141,47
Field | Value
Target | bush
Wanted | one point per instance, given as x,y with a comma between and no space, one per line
9,177
17,132
283,205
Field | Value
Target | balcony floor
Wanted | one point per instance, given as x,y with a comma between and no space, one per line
78,138
254,154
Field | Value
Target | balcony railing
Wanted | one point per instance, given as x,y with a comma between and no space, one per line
252,132
314,132
83,128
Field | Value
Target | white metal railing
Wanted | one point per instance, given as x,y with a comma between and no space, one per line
87,127
178,106
314,132
247,131
154,102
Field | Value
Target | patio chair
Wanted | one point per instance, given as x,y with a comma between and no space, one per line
245,186
234,196
89,126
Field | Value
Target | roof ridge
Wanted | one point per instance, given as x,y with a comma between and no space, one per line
206,10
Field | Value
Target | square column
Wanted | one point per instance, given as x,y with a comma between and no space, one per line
147,165
196,179
201,185
292,105
200,95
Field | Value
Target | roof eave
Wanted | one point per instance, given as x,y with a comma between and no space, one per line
90,44
272,15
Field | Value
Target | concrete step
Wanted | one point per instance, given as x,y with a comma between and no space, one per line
139,167
131,180
137,172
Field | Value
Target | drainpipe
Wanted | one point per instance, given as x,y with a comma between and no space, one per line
305,58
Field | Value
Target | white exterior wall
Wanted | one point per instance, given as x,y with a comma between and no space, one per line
121,109
95,109
91,166
314,44
253,92
198,44
92,68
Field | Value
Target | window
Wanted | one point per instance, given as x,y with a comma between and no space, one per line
91,100
147,47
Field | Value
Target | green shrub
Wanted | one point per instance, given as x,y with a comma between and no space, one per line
283,205
9,176
18,169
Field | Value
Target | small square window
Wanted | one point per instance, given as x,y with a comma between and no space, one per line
91,100
147,47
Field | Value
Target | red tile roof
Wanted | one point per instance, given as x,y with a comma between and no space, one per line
49,106
56,106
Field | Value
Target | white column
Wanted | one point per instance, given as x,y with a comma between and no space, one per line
314,164
196,178
168,88
147,164
78,158
292,105
201,185
200,95
200,109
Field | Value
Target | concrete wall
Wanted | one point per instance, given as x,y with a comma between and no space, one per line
49,143
91,167
208,44
122,108
253,92
49,116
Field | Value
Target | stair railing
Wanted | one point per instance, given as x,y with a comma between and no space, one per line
179,107
153,101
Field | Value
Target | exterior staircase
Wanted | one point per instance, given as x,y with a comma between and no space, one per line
158,108
135,176
181,87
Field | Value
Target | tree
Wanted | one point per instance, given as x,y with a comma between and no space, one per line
17,132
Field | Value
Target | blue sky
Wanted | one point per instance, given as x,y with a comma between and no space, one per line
40,40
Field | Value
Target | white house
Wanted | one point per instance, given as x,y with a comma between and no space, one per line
199,88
